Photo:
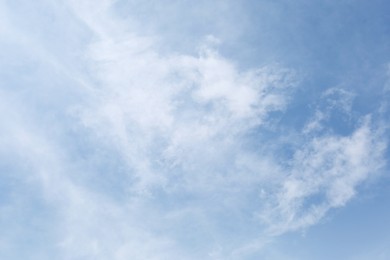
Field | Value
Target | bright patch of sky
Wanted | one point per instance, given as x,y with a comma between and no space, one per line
194,129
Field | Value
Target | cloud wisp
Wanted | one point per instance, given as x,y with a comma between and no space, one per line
153,155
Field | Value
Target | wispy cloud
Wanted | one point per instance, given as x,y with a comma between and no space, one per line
322,175
144,154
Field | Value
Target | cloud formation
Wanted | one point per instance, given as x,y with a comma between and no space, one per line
135,153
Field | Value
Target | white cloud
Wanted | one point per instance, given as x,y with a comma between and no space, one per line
324,174
186,182
191,112
181,107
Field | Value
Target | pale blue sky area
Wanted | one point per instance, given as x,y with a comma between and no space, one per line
194,129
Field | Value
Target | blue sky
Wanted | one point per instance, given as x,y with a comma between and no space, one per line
194,129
